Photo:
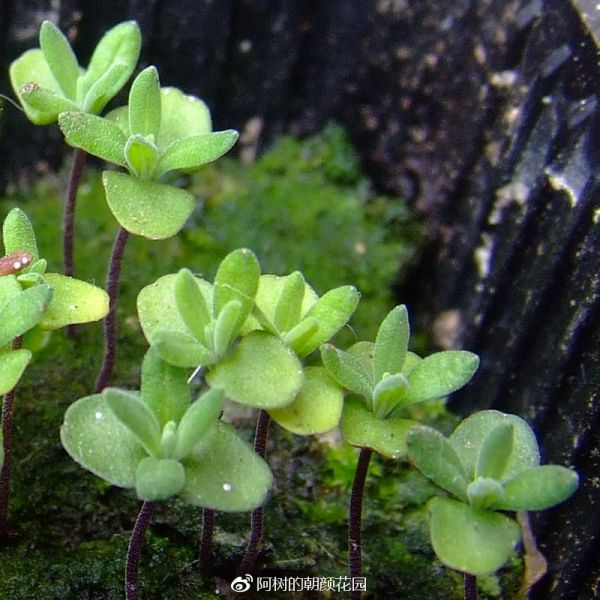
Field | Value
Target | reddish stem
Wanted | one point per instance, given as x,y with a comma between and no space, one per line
134,551
110,322
256,521
205,554
470,586
355,517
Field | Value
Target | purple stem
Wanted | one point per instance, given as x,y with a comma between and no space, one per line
205,554
355,517
470,586
7,421
134,551
256,521
79,158
110,322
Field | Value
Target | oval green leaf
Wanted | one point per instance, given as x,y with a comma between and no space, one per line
12,365
181,349
23,311
316,409
471,540
391,343
261,372
96,439
158,479
348,370
60,58
225,473
18,234
152,210
144,104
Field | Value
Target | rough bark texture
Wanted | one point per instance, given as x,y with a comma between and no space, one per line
485,114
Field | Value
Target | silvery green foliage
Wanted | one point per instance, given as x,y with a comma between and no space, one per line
159,131
385,377
48,80
162,444
490,463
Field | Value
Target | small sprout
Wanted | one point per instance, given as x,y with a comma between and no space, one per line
489,464
48,80
161,130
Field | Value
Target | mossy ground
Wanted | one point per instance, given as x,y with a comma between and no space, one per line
72,530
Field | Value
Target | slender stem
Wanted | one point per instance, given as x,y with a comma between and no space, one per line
205,554
7,420
355,517
470,586
134,551
256,521
110,322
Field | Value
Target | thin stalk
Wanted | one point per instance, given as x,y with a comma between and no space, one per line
110,322
7,420
134,551
256,520
205,555
355,517
79,158
470,586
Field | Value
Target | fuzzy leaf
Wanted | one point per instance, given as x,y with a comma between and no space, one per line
181,349
289,304
135,415
440,374
538,488
484,492
388,395
22,312
73,301
261,372
316,409
164,388
121,44
12,365
471,540
226,327
95,135
45,100
433,455
198,418
391,343
158,478
105,88
237,279
469,435
96,439
60,58
31,66
144,104
495,452
348,370
182,116
157,307
191,304
9,288
18,234
141,156
332,311
361,428
194,151
147,208
297,337
225,473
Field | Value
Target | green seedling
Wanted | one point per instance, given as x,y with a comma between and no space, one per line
384,378
161,444
490,464
193,322
48,80
158,132
32,302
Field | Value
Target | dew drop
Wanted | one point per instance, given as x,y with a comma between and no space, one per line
227,487
99,415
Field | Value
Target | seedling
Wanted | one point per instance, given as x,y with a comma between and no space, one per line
32,301
384,378
48,80
161,444
490,463
160,131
